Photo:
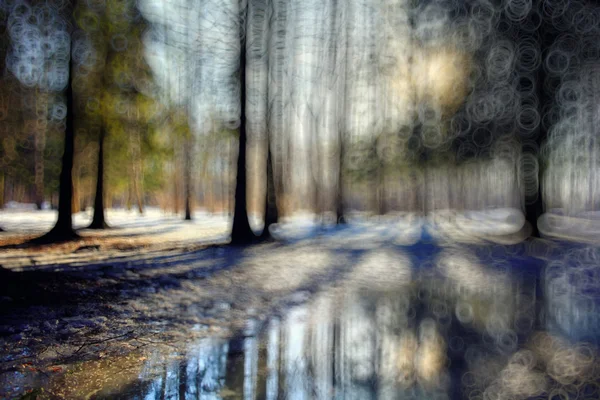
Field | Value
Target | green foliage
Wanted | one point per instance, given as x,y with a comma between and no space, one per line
115,93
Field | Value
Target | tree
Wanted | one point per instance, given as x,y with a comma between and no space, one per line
271,204
40,126
98,220
63,229
241,233
188,178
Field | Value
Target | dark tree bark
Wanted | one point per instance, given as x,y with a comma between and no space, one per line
271,203
188,180
241,233
183,379
98,221
2,187
63,229
533,210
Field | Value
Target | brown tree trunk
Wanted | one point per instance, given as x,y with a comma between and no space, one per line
175,189
75,204
75,201
2,183
129,196
137,178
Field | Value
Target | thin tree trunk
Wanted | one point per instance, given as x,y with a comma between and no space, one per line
135,151
39,146
343,62
98,221
129,196
188,179
139,193
175,189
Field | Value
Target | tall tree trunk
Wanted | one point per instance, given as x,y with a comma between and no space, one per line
533,210
98,221
241,233
63,229
188,179
342,61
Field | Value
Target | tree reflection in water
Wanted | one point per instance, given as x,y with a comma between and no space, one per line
466,324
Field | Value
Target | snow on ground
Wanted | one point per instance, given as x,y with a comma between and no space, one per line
25,220
153,231
580,227
159,231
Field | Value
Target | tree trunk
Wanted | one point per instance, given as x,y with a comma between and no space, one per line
40,116
271,203
98,221
241,233
75,201
340,193
40,144
136,153
2,182
175,188
63,229
129,196
188,179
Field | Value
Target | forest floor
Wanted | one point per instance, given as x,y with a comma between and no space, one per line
108,292
152,282
129,230
111,299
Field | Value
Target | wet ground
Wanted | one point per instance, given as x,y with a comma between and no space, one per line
338,316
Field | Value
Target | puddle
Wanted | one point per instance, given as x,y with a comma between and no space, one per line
459,329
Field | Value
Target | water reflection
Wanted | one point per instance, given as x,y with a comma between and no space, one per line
199,374
470,323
